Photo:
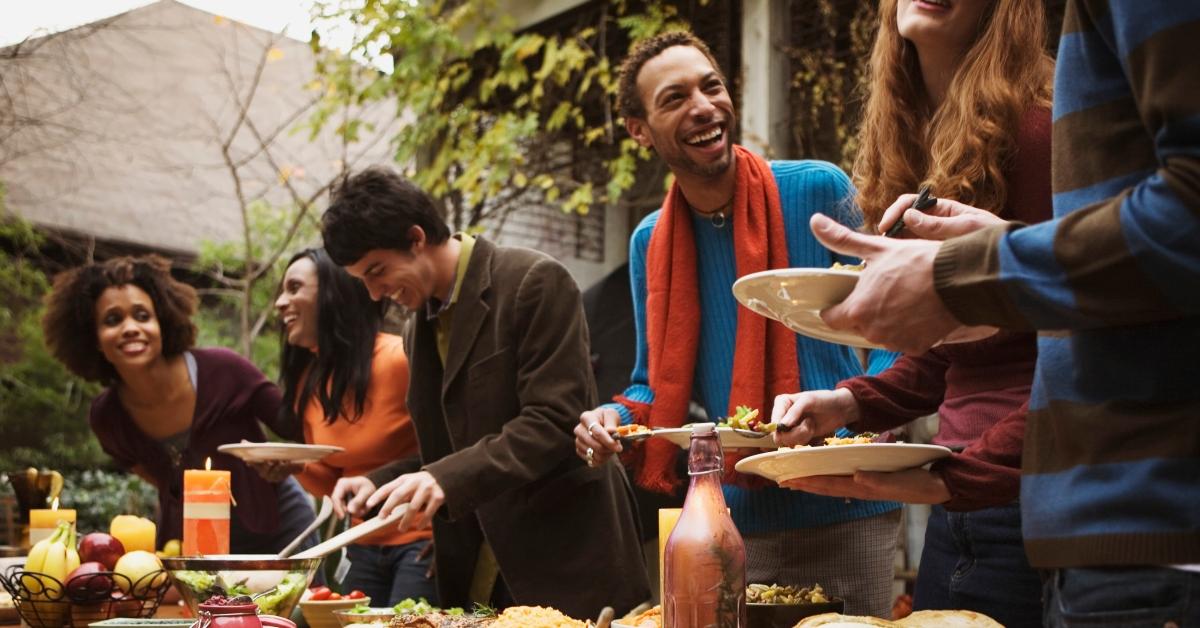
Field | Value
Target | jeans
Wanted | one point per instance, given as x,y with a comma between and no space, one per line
390,573
976,561
1123,596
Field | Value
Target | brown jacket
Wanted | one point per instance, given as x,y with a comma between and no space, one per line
494,428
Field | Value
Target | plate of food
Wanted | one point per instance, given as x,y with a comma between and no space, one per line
730,438
279,452
639,618
796,296
839,456
919,619
743,430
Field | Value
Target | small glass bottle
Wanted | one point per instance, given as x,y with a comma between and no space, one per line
704,567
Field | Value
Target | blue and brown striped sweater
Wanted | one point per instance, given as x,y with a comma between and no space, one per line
1111,468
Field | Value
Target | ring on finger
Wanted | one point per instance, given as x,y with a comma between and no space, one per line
591,456
591,427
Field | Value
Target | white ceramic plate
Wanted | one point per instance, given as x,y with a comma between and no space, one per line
682,436
786,464
279,452
795,297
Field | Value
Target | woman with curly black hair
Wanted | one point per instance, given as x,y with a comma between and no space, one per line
167,407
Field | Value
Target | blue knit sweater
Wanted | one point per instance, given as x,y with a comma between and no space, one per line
805,188
1111,467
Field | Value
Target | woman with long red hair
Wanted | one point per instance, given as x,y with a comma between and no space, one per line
959,101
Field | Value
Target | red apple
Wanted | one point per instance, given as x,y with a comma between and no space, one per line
89,581
102,548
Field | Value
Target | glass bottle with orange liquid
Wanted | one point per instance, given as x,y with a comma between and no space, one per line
705,561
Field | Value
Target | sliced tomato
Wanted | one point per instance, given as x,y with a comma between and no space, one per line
320,593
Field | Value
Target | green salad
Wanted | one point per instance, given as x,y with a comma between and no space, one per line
286,592
421,606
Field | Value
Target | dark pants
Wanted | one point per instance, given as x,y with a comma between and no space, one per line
295,513
390,573
976,561
1125,596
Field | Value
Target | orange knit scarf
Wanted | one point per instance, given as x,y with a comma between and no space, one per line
764,360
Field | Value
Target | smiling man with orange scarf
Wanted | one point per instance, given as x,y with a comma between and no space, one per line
728,214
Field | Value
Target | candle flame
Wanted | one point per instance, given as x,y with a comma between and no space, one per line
54,504
208,464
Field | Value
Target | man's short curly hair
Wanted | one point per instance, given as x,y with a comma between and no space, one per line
69,324
629,101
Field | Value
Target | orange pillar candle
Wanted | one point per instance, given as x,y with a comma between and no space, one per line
206,498
43,521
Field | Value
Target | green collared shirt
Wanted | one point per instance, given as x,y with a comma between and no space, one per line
444,312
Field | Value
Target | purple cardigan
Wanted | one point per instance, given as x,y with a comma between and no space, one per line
232,396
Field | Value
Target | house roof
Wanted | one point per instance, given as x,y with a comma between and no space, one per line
117,127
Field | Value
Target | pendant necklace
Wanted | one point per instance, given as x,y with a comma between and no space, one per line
716,217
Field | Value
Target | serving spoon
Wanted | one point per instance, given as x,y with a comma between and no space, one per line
322,515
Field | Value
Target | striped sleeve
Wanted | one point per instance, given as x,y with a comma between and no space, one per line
1124,248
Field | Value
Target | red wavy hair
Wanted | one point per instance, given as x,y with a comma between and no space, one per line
962,147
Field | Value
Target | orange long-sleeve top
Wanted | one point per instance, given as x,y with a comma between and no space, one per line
383,434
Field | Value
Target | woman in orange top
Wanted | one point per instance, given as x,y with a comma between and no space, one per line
350,381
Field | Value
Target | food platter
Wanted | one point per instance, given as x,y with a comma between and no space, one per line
787,464
796,296
730,438
279,452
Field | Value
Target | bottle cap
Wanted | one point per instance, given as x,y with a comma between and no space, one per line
703,429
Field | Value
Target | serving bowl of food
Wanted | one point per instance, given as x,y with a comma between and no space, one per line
321,613
276,584
364,615
775,606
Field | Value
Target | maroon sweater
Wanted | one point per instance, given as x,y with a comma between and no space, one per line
232,396
980,390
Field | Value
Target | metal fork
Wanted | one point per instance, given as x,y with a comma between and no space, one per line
925,200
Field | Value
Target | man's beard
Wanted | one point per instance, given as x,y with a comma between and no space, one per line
679,161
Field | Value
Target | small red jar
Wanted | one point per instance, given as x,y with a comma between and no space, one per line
238,616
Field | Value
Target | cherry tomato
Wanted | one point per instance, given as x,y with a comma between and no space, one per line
355,595
335,596
320,593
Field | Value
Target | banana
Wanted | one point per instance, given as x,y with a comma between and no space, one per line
34,562
47,567
56,486
50,557
37,555
72,554
55,566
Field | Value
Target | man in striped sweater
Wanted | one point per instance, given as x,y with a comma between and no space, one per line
730,213
1111,471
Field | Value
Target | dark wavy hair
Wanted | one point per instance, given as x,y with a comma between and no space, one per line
347,323
374,209
69,323
629,101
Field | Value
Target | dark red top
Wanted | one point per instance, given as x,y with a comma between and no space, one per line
232,396
980,390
